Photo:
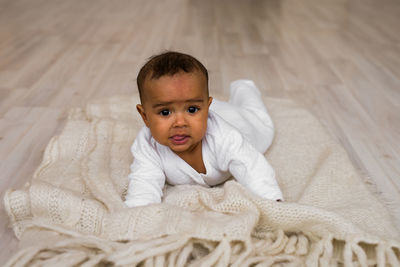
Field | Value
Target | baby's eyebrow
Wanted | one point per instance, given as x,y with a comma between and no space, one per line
195,100
163,104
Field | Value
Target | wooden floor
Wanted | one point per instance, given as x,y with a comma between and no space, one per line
339,59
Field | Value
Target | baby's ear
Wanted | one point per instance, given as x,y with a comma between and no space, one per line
210,99
142,113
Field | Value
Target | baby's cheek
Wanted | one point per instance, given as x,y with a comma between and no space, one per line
159,133
203,129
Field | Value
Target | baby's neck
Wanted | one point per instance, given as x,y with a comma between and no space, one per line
194,158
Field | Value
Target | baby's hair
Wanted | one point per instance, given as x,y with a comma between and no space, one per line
168,63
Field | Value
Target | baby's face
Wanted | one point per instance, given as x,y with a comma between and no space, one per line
175,108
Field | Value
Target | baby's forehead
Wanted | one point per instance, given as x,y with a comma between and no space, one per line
194,73
198,76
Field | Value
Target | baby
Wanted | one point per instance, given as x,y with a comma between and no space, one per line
190,138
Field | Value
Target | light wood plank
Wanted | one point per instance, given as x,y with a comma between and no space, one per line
339,59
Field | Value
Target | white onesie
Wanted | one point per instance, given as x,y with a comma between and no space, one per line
238,132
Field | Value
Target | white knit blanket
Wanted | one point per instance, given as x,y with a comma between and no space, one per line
72,211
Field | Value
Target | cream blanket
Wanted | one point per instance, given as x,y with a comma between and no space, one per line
72,212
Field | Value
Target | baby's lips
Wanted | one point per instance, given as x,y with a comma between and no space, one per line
178,137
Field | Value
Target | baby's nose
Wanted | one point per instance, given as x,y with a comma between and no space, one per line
180,120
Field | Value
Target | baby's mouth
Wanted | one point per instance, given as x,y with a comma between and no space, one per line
179,139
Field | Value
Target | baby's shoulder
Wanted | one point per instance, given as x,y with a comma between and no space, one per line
220,131
218,123
144,140
144,135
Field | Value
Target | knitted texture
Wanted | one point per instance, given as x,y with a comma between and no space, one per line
72,212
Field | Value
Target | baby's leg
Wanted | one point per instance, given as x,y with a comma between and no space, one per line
245,94
247,113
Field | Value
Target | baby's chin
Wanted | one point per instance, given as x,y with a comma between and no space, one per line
183,148
179,149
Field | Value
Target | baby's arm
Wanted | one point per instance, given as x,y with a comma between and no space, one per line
145,185
147,178
250,168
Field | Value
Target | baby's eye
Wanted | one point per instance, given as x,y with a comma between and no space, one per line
165,112
192,109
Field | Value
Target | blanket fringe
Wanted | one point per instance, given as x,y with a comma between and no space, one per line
275,247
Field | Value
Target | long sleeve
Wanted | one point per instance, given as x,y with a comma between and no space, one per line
147,178
249,167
